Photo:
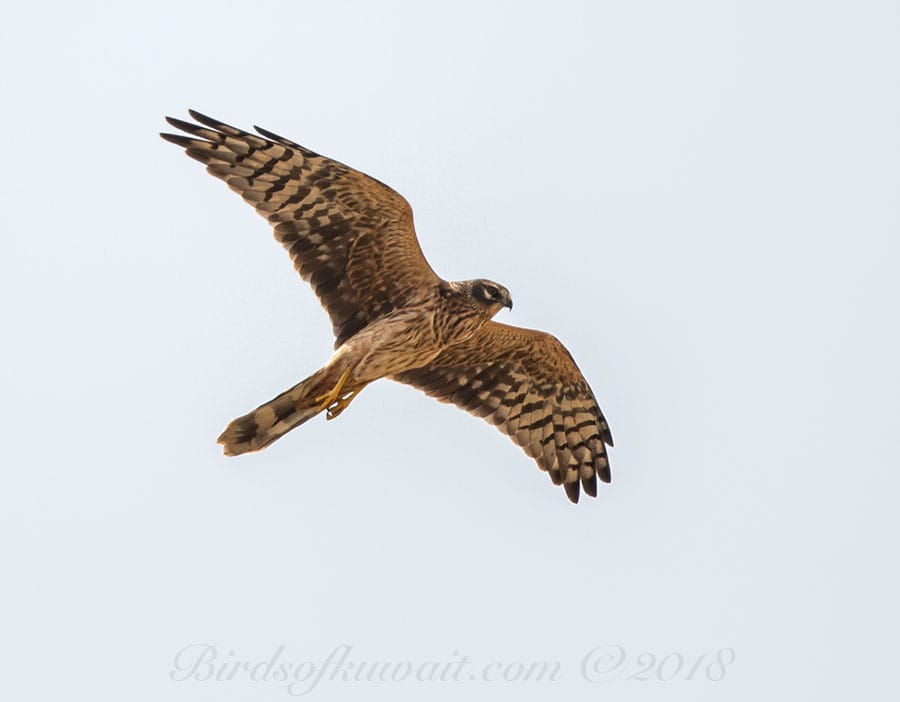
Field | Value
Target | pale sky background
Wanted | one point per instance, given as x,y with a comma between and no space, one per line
699,198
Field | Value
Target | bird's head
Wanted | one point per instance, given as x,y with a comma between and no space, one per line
490,296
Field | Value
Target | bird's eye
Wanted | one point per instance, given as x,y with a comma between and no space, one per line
491,292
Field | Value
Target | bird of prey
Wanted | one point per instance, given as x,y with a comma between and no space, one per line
352,238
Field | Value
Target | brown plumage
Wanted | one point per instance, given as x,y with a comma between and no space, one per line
352,238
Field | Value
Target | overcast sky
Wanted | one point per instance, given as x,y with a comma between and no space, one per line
699,198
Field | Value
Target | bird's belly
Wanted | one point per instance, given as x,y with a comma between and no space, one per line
389,346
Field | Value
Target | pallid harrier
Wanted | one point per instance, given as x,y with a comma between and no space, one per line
352,238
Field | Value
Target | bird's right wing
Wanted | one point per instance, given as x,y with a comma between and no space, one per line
527,384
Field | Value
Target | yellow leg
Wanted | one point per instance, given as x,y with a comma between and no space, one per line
328,398
342,403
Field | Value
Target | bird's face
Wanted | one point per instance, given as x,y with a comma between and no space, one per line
490,296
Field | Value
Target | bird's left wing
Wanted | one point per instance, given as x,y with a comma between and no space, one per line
350,236
527,384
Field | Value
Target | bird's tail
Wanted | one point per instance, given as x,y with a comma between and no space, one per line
274,419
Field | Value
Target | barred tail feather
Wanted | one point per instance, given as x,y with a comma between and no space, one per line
259,428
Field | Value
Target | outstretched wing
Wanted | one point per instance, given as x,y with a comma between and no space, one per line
349,235
527,384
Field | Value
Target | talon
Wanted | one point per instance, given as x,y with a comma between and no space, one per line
325,401
342,403
339,406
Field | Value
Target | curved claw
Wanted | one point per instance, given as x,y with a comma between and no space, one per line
328,399
341,404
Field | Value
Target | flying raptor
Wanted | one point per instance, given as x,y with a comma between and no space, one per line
352,238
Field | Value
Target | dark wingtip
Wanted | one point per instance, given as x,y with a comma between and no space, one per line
202,118
178,139
589,485
603,471
606,433
573,491
267,134
182,125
